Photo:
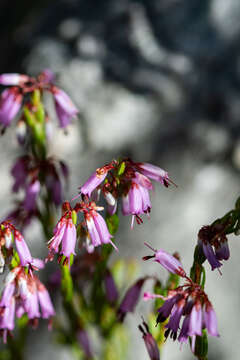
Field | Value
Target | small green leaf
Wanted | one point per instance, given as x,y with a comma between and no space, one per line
112,223
121,168
74,217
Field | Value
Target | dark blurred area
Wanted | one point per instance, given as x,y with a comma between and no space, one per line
183,54
205,44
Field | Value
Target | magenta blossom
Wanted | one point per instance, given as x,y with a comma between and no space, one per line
65,108
13,79
97,229
11,235
23,85
169,262
136,202
110,288
10,104
150,342
191,303
23,293
154,173
126,180
213,243
32,191
64,239
130,299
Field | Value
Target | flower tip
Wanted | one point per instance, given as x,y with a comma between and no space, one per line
144,258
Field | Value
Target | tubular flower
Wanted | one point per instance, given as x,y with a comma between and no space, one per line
26,173
12,98
97,229
32,191
213,243
126,180
92,230
110,287
65,235
190,303
130,299
10,104
169,262
65,108
23,293
10,235
150,342
13,79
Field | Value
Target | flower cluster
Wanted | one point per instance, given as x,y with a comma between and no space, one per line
188,302
128,181
213,242
93,230
13,98
10,235
26,173
23,293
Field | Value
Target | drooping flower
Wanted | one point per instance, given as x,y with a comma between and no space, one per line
22,249
22,85
32,191
97,229
154,173
23,293
83,339
169,262
20,172
191,302
110,287
150,342
10,104
188,302
65,108
213,243
10,235
64,239
126,180
130,299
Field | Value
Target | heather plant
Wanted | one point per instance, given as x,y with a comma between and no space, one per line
96,293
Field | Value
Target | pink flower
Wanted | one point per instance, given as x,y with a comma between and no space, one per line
150,342
154,172
20,171
98,230
213,244
22,249
168,261
129,181
130,299
64,235
13,79
191,303
32,191
27,292
95,179
65,108
110,288
10,104
136,202
46,305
